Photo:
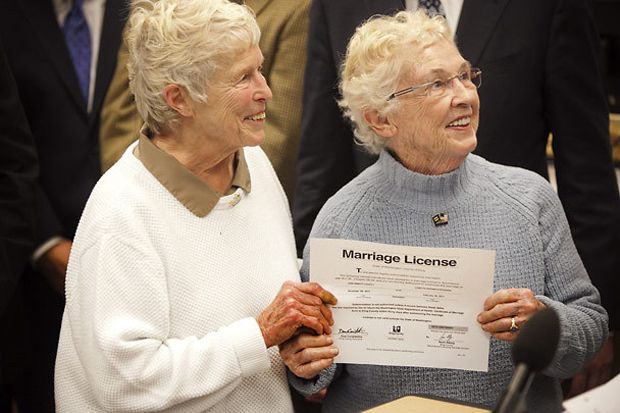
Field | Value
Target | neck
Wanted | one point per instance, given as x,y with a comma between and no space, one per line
436,165
216,169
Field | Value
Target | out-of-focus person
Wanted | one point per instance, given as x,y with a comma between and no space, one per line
413,100
284,34
62,54
187,239
18,174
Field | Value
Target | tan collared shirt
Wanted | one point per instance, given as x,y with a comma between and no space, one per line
186,187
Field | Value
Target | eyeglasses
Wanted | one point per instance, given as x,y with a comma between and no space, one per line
469,78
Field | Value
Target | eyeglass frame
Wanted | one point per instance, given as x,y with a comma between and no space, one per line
474,73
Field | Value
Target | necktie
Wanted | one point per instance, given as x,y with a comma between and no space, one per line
432,7
77,37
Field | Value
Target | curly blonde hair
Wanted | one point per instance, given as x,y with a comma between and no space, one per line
381,50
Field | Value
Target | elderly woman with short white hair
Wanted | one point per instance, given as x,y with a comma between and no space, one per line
186,241
413,99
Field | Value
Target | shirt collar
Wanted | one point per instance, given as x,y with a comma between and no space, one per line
187,188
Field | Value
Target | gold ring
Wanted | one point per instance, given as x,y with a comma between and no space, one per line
513,325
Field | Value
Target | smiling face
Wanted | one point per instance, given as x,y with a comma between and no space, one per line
434,134
234,114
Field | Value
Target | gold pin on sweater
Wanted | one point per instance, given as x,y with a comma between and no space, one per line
440,219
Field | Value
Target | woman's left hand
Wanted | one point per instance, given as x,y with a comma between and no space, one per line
307,354
507,310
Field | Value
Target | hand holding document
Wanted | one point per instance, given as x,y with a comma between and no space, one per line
406,306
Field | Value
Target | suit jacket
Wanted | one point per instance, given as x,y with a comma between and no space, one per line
18,172
120,120
540,76
284,29
66,138
66,135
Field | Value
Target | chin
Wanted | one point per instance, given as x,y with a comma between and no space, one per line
473,145
470,143
254,140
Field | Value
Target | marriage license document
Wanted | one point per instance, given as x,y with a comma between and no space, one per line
406,306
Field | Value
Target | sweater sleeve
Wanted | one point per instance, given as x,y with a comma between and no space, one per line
118,313
327,225
568,290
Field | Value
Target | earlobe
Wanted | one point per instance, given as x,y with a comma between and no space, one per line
176,97
380,124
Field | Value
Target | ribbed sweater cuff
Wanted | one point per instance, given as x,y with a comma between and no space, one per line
250,347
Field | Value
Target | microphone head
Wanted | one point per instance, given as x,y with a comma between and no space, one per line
538,340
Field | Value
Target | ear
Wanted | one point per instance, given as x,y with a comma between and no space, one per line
380,124
177,98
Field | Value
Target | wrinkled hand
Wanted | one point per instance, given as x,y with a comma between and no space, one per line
501,306
53,265
307,354
598,371
296,305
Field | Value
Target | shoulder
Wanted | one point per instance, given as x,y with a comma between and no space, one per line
263,174
345,207
255,154
523,190
119,194
258,163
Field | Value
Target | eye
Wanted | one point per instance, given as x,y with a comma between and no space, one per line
437,85
464,75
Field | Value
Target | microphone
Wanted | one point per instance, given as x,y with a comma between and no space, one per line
532,351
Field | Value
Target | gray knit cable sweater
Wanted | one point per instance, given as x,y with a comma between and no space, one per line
510,210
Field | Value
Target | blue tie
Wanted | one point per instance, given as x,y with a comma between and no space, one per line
432,7
77,37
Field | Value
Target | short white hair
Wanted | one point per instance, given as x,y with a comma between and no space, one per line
379,53
182,42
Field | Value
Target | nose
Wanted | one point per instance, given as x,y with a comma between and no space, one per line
263,92
462,94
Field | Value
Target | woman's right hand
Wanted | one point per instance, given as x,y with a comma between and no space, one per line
297,305
307,354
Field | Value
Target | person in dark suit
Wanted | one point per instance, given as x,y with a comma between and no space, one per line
62,106
18,172
541,76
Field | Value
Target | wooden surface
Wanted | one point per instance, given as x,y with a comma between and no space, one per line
415,404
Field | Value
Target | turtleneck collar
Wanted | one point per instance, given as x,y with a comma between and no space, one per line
426,192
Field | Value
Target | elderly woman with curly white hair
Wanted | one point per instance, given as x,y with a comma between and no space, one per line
183,277
413,99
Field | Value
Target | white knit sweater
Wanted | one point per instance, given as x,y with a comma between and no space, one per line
161,304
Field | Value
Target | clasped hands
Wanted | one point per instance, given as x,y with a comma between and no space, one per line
297,306
307,354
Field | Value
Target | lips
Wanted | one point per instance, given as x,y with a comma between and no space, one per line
459,122
257,116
